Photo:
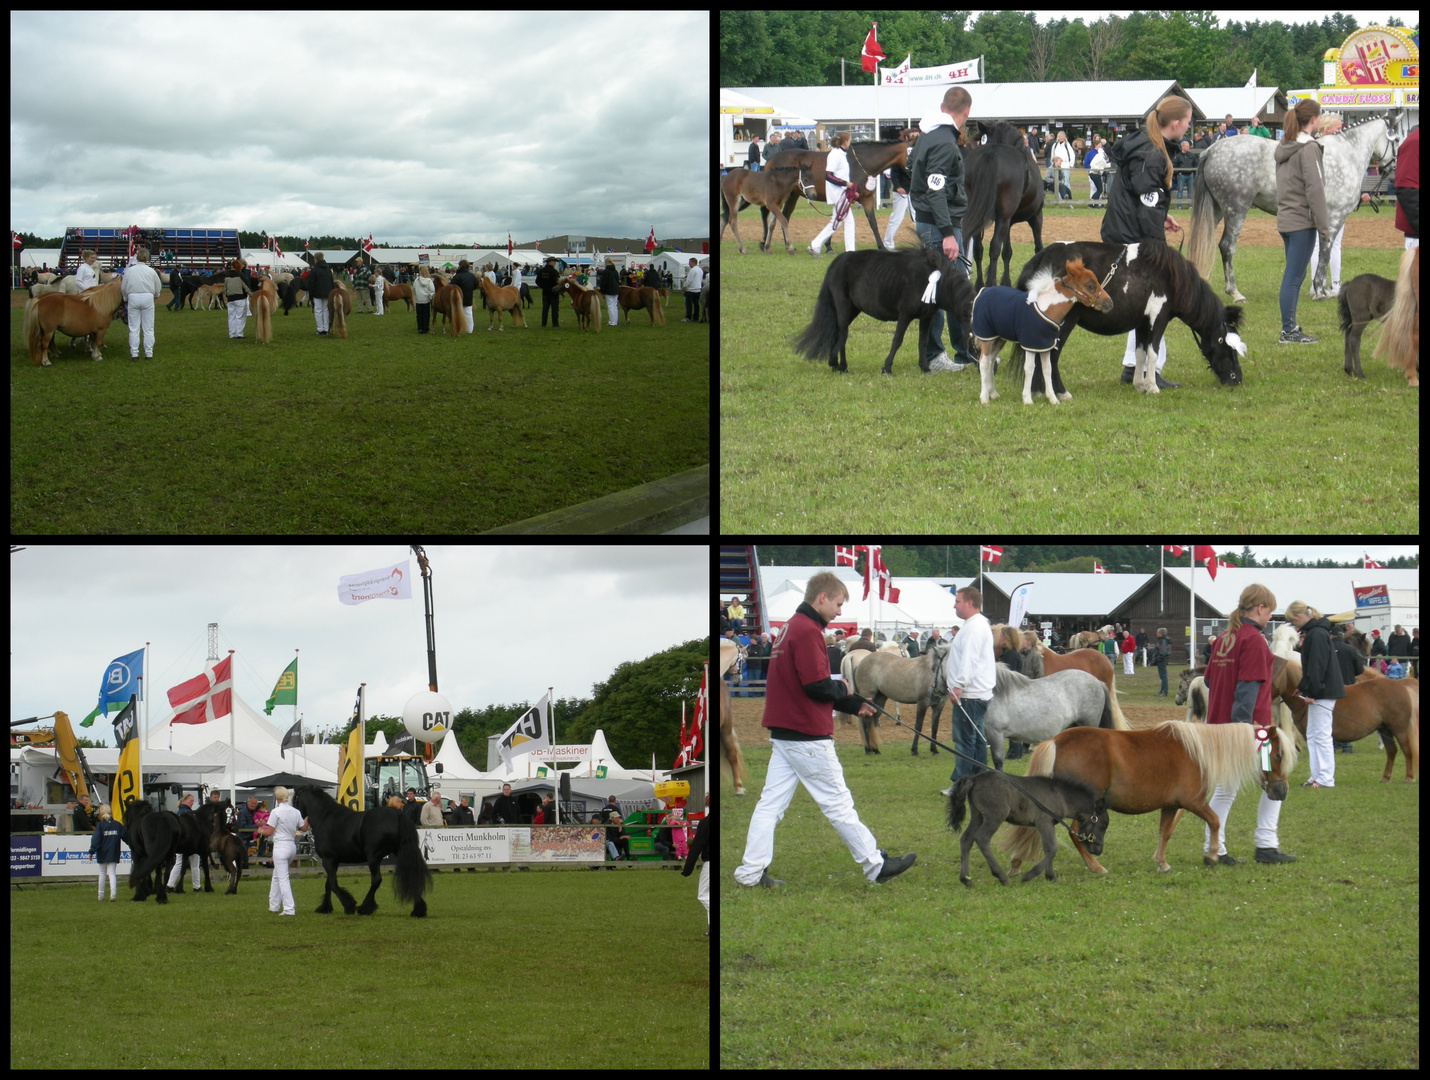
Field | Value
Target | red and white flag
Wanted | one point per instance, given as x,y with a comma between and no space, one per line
1175,549
1097,567
1371,564
650,241
15,240
872,54
886,580
204,697
990,553
1204,554
844,556
277,251
367,245
508,245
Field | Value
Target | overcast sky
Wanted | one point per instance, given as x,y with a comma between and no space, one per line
414,125
510,622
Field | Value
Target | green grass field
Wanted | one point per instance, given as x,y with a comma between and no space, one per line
1299,445
558,968
1311,964
384,432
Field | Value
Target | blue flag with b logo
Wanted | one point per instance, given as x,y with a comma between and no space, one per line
120,680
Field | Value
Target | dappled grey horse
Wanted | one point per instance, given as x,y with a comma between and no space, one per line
1032,710
1233,175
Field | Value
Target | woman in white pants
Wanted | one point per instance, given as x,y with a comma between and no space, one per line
283,825
1321,685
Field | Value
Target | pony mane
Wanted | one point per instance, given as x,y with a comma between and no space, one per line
1225,752
92,296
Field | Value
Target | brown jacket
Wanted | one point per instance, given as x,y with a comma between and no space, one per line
1300,190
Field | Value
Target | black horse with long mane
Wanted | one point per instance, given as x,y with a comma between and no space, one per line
1150,284
346,836
154,838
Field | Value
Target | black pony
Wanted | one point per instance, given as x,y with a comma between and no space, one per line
888,285
154,837
1145,277
993,800
1003,187
346,836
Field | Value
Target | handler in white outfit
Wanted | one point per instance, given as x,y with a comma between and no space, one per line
283,825
140,288
836,176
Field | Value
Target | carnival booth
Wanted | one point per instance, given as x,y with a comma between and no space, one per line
1374,71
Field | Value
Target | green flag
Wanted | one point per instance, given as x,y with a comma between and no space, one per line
286,690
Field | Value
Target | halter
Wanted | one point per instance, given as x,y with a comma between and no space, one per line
1113,268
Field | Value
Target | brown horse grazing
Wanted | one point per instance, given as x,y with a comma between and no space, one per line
340,306
262,302
644,297
448,302
1372,703
587,303
741,188
499,299
1093,662
78,316
1172,767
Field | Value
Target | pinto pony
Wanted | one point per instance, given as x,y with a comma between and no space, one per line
499,299
90,312
632,299
1032,319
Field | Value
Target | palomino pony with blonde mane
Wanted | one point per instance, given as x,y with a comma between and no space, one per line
1172,767
90,312
340,306
448,302
499,299
262,302
587,303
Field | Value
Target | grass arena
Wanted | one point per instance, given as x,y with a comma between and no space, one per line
383,431
803,450
573,962
1311,964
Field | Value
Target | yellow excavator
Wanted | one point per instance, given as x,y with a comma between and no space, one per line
61,737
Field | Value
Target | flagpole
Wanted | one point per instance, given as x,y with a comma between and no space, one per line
704,734
1192,588
145,696
232,743
295,714
362,750
551,734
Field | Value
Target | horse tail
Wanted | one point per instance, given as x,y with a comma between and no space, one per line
340,323
1022,841
657,308
412,877
594,312
262,314
957,800
820,337
1400,339
34,337
1107,720
1118,720
1205,212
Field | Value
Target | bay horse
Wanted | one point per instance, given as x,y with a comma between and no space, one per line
740,188
992,801
633,299
90,312
499,299
1373,704
262,302
223,842
347,836
1233,175
866,159
1093,662
1032,320
894,286
448,302
154,837
1172,767
1003,188
340,306
1150,284
586,302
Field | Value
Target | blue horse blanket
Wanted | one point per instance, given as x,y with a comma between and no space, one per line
1001,312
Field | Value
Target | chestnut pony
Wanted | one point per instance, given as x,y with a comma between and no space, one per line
340,306
499,299
262,302
633,299
78,316
1173,767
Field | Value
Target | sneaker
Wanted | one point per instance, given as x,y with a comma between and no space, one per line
941,362
894,867
769,882
1295,336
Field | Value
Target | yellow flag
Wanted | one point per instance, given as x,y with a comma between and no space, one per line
125,786
350,793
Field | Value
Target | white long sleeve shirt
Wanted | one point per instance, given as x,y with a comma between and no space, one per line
970,661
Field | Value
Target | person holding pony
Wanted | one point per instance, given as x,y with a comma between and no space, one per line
969,674
140,289
798,696
236,288
1140,198
320,284
85,274
609,282
1322,686
465,280
1239,692
423,289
